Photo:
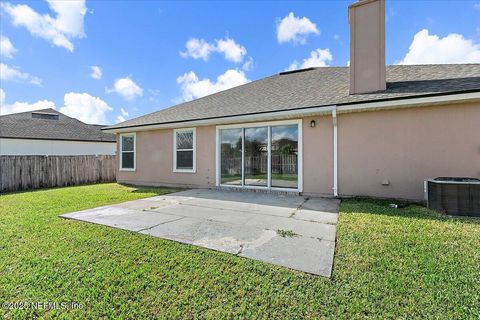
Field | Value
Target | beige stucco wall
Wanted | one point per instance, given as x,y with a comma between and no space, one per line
403,146
318,156
406,146
154,160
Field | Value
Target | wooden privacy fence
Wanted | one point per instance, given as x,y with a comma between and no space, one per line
280,164
33,172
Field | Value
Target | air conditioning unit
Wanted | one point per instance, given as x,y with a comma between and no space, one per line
453,196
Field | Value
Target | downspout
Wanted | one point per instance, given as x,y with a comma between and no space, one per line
335,152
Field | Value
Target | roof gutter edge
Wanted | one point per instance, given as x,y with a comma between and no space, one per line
310,111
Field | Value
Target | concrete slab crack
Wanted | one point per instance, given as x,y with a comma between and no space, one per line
241,249
159,224
299,207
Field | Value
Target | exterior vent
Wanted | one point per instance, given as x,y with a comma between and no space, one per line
454,196
43,115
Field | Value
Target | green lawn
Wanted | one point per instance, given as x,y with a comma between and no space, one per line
389,263
275,176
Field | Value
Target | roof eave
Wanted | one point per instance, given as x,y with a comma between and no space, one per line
401,102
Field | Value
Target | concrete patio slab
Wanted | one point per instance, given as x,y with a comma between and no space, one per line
316,216
246,224
315,254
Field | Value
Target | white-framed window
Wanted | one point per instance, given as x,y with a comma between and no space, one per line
184,150
128,143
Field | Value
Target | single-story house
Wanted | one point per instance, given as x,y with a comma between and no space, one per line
363,130
49,132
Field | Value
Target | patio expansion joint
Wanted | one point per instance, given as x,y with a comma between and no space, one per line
299,207
158,224
200,206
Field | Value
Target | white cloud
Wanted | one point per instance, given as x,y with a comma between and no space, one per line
122,116
67,24
231,50
8,73
81,106
7,49
124,113
428,49
318,58
85,107
295,29
127,88
197,49
201,49
22,106
2,97
25,106
193,88
248,65
96,72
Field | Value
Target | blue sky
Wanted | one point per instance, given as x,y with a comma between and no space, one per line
140,48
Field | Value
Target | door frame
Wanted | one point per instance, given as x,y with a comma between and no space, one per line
298,122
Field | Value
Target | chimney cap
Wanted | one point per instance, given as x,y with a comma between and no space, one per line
361,2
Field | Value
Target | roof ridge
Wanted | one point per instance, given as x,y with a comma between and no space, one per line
29,111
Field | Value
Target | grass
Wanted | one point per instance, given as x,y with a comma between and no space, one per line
275,176
389,263
286,233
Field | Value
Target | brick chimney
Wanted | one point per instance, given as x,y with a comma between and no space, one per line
367,46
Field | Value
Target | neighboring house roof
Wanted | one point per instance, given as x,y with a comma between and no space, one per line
315,87
49,124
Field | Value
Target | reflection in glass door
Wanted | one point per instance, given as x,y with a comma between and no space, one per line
256,156
231,156
284,155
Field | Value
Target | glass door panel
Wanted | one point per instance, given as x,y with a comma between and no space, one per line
284,155
256,156
231,156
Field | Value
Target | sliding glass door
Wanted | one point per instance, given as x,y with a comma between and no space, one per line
231,142
256,156
285,156
260,156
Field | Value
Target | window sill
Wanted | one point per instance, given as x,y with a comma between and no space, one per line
184,170
126,169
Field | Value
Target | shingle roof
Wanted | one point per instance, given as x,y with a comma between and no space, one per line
24,125
316,87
